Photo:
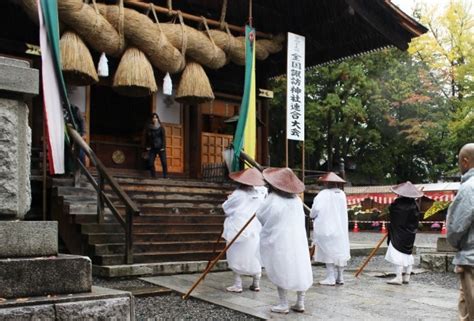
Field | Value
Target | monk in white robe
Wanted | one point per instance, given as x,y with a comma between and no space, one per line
283,243
330,229
243,256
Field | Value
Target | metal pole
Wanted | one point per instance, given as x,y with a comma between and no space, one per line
45,207
250,13
129,237
100,199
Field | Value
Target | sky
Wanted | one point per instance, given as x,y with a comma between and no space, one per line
408,5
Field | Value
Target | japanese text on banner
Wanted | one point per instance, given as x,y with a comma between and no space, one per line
295,87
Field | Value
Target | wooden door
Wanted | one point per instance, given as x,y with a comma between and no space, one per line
212,147
174,149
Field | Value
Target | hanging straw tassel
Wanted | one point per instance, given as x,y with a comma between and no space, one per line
194,86
76,61
103,67
167,85
134,76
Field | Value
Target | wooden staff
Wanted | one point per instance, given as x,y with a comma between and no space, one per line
215,246
186,296
371,255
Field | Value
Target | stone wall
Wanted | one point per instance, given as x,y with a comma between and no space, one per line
15,146
18,83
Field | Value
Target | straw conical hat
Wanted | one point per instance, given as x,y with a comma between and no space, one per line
407,189
284,180
249,176
331,177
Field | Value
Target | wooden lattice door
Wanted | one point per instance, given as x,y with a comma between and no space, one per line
174,149
212,147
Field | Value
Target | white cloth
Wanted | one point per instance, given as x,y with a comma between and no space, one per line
103,67
283,244
330,227
243,256
52,101
398,258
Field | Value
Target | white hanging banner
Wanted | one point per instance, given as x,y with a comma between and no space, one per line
295,87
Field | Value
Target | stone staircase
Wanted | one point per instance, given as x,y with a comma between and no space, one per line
180,220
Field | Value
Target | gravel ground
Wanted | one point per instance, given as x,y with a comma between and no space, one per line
120,283
170,306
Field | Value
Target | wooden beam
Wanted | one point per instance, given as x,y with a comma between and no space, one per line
145,5
379,24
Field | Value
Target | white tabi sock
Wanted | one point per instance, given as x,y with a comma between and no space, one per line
256,282
340,275
283,306
397,280
330,275
299,306
237,287
406,277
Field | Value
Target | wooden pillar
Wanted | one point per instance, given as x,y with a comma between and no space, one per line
194,141
263,149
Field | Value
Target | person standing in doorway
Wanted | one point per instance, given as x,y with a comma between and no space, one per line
156,145
243,256
330,228
460,232
404,215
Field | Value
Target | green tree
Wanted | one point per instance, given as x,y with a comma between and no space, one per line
381,113
448,51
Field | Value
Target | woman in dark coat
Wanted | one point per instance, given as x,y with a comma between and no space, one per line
404,217
156,144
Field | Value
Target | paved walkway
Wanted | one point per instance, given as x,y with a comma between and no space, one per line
366,298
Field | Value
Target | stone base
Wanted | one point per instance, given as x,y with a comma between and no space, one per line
62,274
28,239
442,245
100,304
437,262
144,269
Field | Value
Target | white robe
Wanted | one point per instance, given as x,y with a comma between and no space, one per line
243,256
330,227
283,244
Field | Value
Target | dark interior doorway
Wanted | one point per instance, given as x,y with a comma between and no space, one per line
116,127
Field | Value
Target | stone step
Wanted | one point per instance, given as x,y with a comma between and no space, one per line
101,238
156,209
105,238
154,257
179,219
28,239
152,218
71,190
162,247
99,304
37,276
151,227
91,209
174,189
90,218
101,228
150,197
210,236
437,261
173,182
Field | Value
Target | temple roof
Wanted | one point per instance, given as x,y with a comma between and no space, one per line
334,29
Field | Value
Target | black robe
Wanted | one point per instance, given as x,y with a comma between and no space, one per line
404,218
